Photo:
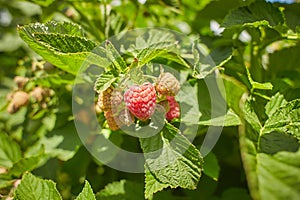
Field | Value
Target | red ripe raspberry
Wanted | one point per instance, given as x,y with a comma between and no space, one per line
141,100
167,84
174,111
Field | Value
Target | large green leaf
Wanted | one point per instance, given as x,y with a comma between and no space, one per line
10,151
61,43
86,193
271,152
258,13
171,161
34,188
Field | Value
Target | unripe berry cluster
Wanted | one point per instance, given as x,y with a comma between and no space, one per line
21,97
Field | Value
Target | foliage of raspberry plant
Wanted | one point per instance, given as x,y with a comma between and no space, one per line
255,48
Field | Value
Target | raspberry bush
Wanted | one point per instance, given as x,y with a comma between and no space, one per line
97,104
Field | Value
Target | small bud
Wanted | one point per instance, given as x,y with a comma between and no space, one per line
20,81
37,93
19,99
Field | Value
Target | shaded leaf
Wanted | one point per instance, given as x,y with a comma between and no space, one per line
26,164
291,61
211,166
256,14
235,194
10,151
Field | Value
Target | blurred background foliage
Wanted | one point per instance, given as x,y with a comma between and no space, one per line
45,130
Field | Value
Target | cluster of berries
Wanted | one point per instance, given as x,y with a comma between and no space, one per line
20,98
140,101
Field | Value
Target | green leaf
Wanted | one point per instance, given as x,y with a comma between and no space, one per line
229,84
285,119
205,64
175,57
114,56
5,181
214,110
65,43
153,185
103,82
26,164
291,61
235,194
188,101
210,166
61,43
292,14
86,193
227,119
52,80
171,161
123,189
274,175
257,85
65,142
155,50
259,13
275,102
52,147
274,142
271,153
154,37
49,121
34,188
10,151
43,2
